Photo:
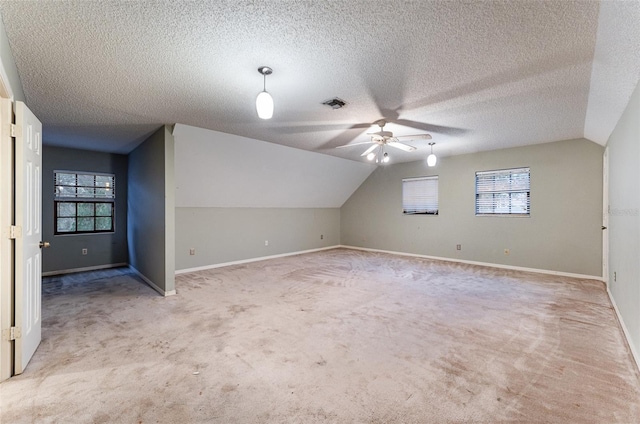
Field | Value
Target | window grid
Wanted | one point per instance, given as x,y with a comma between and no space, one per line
84,203
504,192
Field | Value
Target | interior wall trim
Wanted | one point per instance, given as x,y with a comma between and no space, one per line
244,261
151,283
86,268
627,335
485,264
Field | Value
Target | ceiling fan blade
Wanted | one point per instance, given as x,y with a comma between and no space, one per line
353,144
369,150
416,136
401,146
344,138
441,129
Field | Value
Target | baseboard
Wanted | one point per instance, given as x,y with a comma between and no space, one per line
487,264
625,331
245,261
87,268
151,283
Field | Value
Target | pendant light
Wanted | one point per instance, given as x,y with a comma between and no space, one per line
431,159
264,101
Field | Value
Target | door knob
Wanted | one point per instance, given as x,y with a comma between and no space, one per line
44,244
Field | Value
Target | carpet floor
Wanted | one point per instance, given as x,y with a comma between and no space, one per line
338,336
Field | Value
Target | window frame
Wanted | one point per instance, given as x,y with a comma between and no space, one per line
509,191
435,178
87,199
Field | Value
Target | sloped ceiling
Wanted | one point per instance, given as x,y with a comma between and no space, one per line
220,170
475,75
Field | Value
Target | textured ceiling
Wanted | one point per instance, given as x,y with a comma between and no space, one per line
475,75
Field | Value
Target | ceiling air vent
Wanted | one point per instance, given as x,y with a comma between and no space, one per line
335,103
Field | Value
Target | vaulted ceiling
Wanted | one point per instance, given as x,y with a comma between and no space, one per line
475,75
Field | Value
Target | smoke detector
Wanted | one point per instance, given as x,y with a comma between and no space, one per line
335,103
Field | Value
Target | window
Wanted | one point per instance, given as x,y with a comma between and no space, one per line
503,192
84,202
420,196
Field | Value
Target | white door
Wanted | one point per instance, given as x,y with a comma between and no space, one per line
605,216
28,218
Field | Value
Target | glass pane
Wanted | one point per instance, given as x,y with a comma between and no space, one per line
66,225
103,224
104,193
519,203
86,209
86,180
484,203
502,204
103,209
85,224
520,181
63,191
65,179
104,181
85,192
66,209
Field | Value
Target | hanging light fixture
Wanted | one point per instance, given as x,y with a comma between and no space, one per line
432,159
264,101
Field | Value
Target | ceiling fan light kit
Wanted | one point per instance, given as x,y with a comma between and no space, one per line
432,159
264,101
383,138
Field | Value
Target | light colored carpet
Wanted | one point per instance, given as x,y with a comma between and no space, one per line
338,336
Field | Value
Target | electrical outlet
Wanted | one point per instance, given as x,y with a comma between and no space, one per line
192,251
266,242
321,236
506,252
85,251
458,247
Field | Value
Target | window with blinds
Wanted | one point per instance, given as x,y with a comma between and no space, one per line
503,192
420,196
84,202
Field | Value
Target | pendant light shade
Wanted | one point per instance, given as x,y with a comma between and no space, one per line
264,105
432,159
264,101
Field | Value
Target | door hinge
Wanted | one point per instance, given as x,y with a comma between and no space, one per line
12,333
15,231
16,130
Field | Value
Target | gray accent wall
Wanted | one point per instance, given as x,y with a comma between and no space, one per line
103,249
221,235
624,217
151,206
562,234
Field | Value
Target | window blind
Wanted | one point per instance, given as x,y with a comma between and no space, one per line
503,192
420,195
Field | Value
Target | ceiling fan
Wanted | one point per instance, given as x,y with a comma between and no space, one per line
383,138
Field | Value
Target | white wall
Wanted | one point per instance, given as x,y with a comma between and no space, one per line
234,193
624,217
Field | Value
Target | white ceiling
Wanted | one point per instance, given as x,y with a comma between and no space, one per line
475,75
